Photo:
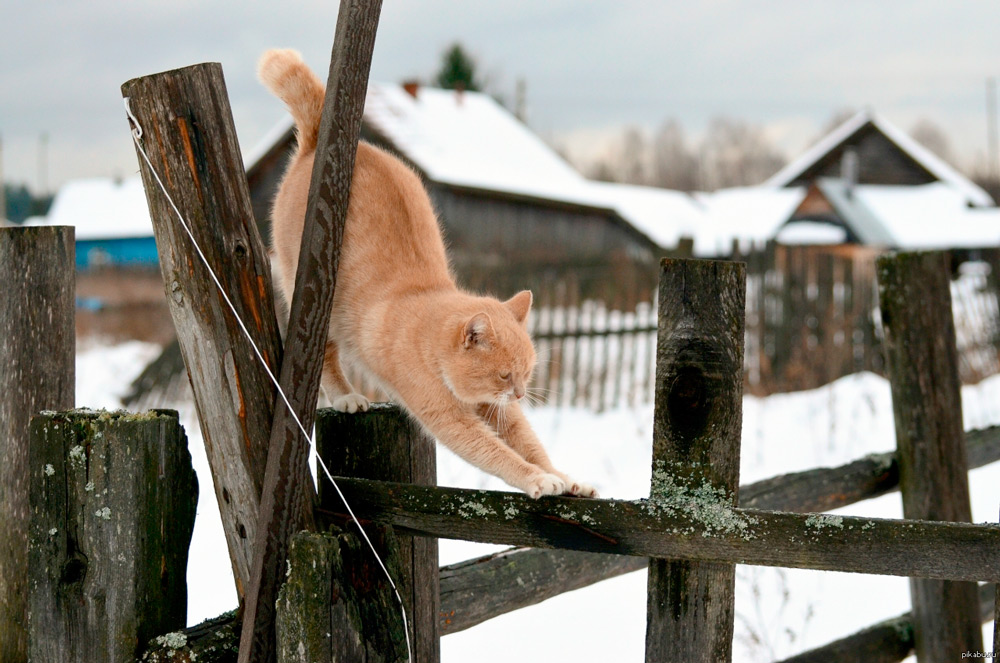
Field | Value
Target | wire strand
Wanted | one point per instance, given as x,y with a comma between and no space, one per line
311,439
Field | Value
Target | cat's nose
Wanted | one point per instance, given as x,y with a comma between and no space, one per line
518,392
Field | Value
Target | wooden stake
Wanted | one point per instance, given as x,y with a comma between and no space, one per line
386,444
922,365
113,501
37,372
696,446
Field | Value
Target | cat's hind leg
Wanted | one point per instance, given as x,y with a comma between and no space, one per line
342,396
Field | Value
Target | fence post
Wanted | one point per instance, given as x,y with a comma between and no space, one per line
922,365
113,501
336,605
696,443
385,444
37,372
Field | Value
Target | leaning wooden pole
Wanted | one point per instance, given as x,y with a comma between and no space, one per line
37,372
697,421
288,496
922,365
189,137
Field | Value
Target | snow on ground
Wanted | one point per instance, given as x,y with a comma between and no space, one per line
779,611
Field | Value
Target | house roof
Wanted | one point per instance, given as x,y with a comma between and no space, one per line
102,208
926,159
744,214
468,139
930,216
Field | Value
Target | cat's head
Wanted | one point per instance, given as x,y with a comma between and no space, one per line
491,356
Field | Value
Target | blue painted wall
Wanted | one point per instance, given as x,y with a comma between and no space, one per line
121,252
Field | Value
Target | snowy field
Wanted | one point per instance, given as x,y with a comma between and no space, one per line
778,611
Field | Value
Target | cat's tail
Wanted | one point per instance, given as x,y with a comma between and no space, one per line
284,73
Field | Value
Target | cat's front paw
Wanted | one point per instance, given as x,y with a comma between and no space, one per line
351,403
580,489
544,484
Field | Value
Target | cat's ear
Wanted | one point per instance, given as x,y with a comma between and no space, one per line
477,331
520,305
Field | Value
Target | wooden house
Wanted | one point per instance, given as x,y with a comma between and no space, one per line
507,201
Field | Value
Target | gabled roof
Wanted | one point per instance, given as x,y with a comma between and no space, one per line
920,155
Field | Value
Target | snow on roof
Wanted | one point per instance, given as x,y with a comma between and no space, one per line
744,214
927,159
468,139
102,208
662,215
931,216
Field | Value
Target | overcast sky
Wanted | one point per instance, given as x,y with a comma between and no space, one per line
590,67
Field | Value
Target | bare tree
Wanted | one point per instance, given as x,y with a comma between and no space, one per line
626,161
633,156
931,136
674,164
732,153
735,153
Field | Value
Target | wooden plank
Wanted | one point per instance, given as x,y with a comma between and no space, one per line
697,421
684,525
385,443
189,136
37,372
113,500
331,609
922,365
288,495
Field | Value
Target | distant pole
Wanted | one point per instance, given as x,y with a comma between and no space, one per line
992,147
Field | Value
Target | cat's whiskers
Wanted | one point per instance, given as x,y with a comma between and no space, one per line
539,395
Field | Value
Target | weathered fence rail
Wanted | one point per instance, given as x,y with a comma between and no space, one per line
521,577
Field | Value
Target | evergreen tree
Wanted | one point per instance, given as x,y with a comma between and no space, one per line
458,70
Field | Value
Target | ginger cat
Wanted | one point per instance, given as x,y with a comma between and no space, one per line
459,363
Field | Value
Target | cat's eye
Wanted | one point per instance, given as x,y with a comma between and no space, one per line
505,376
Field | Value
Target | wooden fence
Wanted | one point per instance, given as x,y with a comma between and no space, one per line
333,602
575,542
812,316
